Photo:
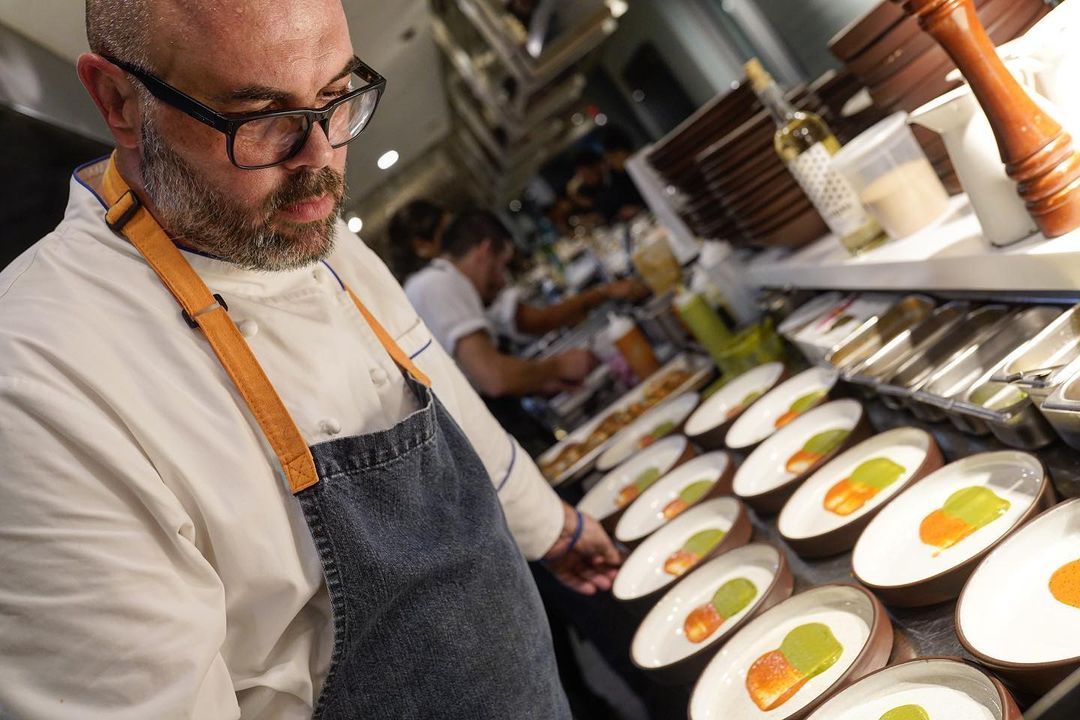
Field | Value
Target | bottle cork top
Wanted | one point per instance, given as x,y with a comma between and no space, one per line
757,74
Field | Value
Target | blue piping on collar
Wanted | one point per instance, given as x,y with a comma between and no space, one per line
334,273
417,353
513,459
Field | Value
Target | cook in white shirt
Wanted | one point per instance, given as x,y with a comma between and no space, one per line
153,561
462,298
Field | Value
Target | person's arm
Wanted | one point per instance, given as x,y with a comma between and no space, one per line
538,320
498,375
107,608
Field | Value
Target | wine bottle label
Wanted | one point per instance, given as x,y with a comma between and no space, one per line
830,193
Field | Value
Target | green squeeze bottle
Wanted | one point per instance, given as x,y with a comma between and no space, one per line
703,322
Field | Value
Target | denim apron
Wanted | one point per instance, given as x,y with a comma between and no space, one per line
435,612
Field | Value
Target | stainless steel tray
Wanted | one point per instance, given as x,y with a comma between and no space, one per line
701,369
1062,408
914,372
953,380
1041,364
877,332
886,361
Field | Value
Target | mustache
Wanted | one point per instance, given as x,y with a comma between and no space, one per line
308,185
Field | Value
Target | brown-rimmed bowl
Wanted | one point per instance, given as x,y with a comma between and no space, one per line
759,421
764,481
890,556
646,514
709,424
855,618
1010,619
600,502
813,530
944,687
660,646
642,579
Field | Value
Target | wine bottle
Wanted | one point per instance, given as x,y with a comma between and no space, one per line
805,143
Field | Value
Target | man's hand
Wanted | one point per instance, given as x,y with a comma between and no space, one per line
575,365
631,289
583,558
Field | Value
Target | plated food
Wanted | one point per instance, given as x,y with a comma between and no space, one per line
656,424
786,660
775,469
709,424
923,689
1019,614
780,406
827,513
617,490
704,531
924,544
578,451
699,479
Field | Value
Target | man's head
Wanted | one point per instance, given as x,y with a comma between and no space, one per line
236,57
416,236
589,167
481,247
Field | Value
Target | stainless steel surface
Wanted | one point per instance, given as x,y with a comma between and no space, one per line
877,332
953,380
886,361
914,372
1041,364
1015,421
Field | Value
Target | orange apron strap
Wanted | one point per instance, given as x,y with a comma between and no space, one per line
395,351
208,312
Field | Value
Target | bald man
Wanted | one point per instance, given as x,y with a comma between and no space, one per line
239,478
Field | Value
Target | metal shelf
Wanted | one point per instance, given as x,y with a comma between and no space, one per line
952,259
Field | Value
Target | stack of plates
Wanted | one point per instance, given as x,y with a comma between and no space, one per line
904,68
748,180
673,157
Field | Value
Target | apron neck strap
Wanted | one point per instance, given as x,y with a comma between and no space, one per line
201,309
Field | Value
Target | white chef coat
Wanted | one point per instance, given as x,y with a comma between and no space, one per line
450,305
153,563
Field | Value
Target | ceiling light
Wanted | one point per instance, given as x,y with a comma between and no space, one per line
388,159
600,119
355,224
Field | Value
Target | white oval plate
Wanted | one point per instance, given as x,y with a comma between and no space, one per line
759,422
765,469
675,410
716,410
646,514
805,515
889,552
1007,611
945,689
721,692
660,640
643,572
599,502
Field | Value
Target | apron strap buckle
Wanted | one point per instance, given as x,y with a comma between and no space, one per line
219,305
128,204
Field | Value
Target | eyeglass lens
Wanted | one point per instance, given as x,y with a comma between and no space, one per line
266,141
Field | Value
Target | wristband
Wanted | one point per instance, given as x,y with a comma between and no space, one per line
573,538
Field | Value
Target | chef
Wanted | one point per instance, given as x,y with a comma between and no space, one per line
240,480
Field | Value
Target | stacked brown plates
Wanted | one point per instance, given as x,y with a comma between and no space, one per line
835,89
903,67
673,157
748,180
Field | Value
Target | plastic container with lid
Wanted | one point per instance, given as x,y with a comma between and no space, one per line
893,177
627,337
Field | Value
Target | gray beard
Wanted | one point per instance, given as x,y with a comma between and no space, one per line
202,218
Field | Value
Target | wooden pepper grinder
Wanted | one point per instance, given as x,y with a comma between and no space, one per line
1037,152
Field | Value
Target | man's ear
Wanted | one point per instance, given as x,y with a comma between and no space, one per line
114,96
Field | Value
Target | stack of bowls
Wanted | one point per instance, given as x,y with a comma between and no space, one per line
903,67
747,179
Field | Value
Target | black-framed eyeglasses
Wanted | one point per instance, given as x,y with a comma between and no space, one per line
270,137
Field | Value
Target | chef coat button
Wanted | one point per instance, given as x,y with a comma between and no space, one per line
330,426
248,328
379,376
